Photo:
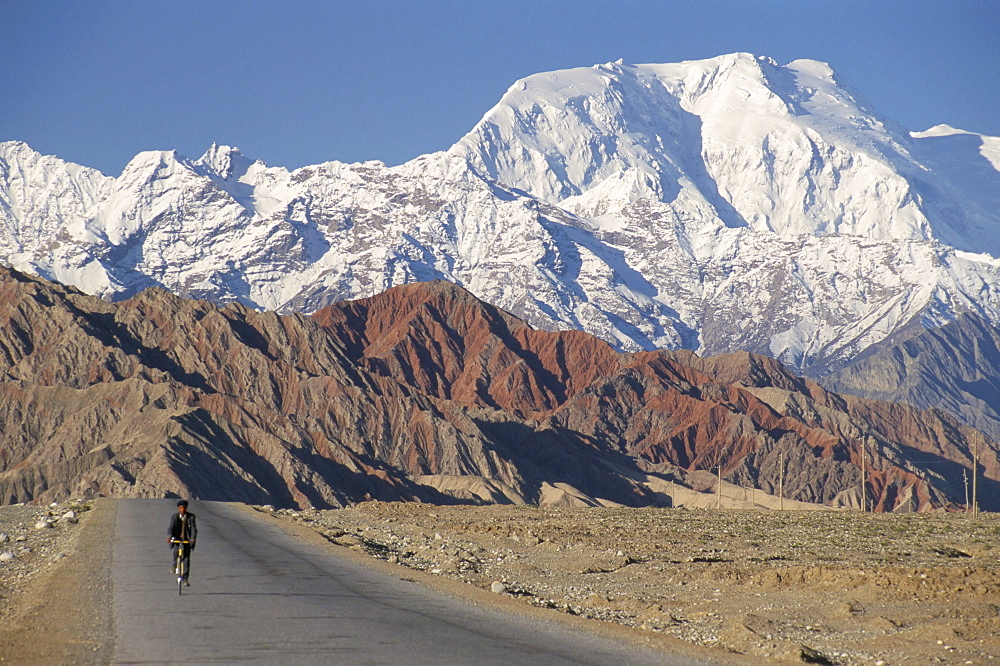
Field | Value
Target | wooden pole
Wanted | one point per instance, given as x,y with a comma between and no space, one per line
975,473
863,480
718,494
781,482
965,480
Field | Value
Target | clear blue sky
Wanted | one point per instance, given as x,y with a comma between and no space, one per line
295,82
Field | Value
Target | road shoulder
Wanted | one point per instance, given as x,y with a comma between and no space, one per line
64,615
486,598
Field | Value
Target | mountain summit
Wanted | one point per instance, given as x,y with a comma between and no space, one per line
713,205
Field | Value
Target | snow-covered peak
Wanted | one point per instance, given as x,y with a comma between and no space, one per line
719,204
226,162
939,130
748,142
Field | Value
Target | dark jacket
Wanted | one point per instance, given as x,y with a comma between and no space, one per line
185,530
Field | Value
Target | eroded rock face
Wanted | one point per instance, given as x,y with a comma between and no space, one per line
399,396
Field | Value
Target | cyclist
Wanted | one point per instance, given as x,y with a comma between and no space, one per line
183,527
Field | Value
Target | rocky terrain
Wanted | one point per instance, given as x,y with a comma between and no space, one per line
55,594
32,539
835,587
829,587
427,393
908,370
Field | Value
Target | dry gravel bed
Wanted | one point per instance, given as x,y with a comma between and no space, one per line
820,587
55,592
27,551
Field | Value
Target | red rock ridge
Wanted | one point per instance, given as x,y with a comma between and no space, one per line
161,396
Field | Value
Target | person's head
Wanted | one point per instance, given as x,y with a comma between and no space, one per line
182,506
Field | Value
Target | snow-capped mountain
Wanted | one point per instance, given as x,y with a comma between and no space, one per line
722,204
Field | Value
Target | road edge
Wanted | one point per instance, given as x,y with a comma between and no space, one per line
481,597
64,616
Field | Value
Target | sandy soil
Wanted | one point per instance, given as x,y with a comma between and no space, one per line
819,587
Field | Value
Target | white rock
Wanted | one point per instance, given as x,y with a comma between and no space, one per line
6,556
43,524
4,538
70,517
498,587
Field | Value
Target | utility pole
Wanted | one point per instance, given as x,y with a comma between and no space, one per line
781,482
965,480
718,494
975,473
863,480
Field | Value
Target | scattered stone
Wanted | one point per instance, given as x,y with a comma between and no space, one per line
43,524
4,538
948,551
811,656
498,587
6,556
69,517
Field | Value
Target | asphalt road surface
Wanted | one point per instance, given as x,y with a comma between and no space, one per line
259,595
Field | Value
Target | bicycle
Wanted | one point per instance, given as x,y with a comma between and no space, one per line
181,563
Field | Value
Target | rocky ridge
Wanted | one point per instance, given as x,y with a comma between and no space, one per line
909,370
425,393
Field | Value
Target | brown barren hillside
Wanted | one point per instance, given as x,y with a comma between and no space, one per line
424,393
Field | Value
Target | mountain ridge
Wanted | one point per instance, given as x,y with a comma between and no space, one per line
729,203
392,396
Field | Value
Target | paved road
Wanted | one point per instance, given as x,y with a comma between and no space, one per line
258,595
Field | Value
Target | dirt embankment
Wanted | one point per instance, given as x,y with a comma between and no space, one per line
822,587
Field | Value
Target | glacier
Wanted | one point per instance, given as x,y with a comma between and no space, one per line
720,204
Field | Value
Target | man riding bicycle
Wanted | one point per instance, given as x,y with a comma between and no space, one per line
183,527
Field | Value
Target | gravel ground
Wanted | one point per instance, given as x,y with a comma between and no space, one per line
819,587
27,551
55,589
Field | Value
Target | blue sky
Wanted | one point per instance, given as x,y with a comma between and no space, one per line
296,82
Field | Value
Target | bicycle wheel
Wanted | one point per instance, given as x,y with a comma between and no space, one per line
180,569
